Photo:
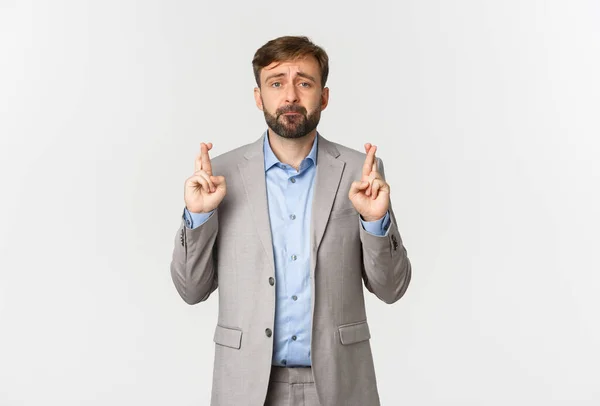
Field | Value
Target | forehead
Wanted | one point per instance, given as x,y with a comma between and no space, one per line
308,65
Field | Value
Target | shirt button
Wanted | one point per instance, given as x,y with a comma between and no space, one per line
294,338
268,332
294,257
271,281
293,216
295,297
284,362
293,180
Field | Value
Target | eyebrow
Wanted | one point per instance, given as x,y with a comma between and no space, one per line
301,74
307,76
276,75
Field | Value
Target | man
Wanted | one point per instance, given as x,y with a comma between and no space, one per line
289,228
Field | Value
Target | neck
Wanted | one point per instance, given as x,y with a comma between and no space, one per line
291,151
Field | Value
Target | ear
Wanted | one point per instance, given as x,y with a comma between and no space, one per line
257,99
324,98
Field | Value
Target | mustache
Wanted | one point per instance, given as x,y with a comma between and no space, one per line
291,109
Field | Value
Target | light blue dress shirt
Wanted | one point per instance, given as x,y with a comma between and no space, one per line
290,196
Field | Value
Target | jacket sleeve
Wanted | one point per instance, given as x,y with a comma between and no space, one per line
193,266
386,267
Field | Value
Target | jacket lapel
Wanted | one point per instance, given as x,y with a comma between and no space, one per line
252,171
327,182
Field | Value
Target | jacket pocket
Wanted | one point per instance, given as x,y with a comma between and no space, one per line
229,337
354,333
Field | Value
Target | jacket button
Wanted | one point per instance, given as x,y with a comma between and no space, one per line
271,281
268,332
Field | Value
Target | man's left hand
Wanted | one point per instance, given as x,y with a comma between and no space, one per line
371,195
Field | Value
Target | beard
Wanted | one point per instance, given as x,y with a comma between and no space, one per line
292,126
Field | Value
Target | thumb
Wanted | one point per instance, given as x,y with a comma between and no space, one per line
217,180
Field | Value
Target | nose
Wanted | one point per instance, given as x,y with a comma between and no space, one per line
291,94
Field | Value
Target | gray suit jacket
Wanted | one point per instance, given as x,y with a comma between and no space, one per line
233,251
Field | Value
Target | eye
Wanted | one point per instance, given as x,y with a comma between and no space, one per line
276,84
305,84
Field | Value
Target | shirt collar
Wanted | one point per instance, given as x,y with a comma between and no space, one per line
271,159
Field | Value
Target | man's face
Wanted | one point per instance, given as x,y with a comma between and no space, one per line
291,97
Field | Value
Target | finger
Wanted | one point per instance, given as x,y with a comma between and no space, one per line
357,187
379,186
198,180
198,160
198,163
207,177
218,181
368,165
372,176
375,186
205,159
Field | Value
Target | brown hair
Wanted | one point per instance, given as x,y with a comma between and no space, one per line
289,48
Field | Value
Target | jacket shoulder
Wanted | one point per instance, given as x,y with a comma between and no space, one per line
349,155
229,160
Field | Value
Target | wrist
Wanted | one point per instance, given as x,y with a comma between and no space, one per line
198,211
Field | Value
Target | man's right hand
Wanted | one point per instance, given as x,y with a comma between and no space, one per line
203,191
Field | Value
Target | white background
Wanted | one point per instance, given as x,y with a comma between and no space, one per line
486,114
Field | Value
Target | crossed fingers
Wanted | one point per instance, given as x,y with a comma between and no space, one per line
370,171
203,167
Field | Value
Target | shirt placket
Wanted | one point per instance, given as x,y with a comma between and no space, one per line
293,248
